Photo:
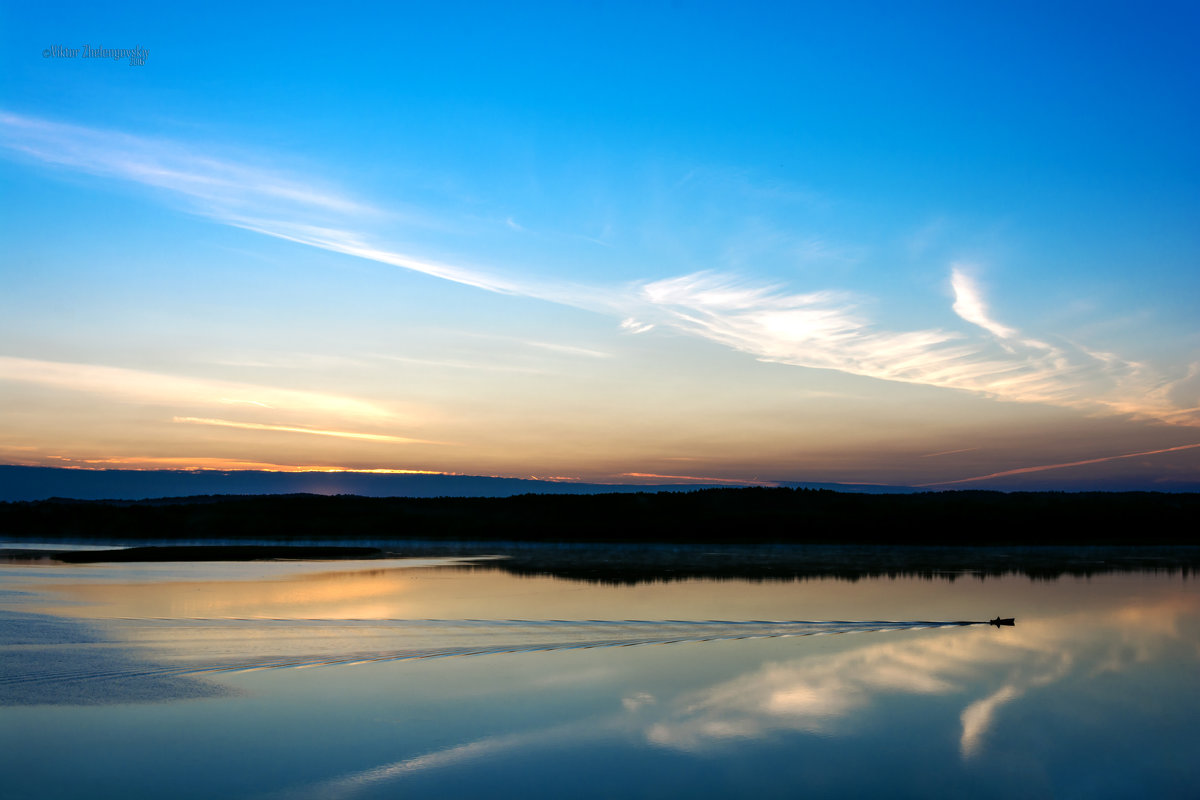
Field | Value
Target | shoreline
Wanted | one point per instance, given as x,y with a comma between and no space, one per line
626,564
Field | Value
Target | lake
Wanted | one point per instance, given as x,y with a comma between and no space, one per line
462,676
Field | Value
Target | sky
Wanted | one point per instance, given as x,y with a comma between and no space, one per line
931,244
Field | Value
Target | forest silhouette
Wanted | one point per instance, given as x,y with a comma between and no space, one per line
731,516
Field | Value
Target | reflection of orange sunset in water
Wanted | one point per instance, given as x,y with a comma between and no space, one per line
350,594
419,588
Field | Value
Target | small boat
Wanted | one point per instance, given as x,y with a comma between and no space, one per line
1005,621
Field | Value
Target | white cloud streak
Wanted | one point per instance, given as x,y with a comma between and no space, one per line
260,426
211,182
351,243
158,389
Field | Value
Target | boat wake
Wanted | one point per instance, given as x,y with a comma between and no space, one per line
207,646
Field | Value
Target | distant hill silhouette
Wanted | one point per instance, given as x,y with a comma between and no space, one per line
40,483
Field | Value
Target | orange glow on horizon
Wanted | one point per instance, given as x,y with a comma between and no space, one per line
202,464
698,479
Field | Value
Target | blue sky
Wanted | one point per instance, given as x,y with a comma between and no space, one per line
604,240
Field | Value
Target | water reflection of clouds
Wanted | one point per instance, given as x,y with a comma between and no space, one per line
362,782
978,717
824,693
807,694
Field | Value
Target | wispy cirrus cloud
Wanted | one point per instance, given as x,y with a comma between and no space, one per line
199,463
261,426
969,304
227,190
160,389
821,329
213,184
825,330
567,349
353,243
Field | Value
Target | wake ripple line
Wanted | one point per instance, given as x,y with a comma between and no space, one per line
183,622
742,630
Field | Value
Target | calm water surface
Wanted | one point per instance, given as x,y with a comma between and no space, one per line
424,677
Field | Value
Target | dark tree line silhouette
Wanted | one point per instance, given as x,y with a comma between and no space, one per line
730,516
